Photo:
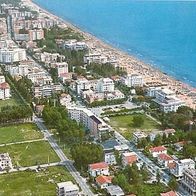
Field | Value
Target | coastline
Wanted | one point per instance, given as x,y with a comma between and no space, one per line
131,64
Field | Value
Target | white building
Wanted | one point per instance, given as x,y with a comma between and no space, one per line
97,169
189,181
138,136
74,45
103,181
133,80
105,85
95,58
67,189
5,161
91,122
181,166
62,68
166,99
164,160
17,70
82,85
12,55
156,151
65,100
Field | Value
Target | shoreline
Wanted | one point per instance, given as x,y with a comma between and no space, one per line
130,63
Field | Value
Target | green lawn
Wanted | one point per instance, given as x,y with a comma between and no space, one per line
30,153
30,183
19,132
9,102
124,124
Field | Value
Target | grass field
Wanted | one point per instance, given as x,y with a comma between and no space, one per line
30,183
124,125
10,102
19,132
30,154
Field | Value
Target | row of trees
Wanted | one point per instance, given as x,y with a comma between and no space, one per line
69,131
14,113
107,102
105,70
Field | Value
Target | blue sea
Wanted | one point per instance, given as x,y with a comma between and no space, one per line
162,33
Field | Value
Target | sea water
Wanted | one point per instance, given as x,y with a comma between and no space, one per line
162,33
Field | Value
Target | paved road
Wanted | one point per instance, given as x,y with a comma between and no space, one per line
68,164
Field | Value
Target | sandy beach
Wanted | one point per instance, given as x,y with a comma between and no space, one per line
128,62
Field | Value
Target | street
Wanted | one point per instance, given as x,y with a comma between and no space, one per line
68,164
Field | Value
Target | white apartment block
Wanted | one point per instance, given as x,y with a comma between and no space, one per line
74,45
65,100
89,120
189,181
105,85
95,58
5,161
62,68
12,55
97,169
181,166
67,189
46,57
82,85
166,99
133,80
17,70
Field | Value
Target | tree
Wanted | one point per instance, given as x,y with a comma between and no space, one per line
138,121
173,184
158,140
189,151
85,154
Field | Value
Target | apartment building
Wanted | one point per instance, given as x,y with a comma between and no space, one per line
133,80
36,34
95,58
89,120
181,166
189,181
12,55
17,70
5,161
105,85
67,189
128,158
166,99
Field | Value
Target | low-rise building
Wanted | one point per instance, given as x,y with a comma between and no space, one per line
114,190
4,91
155,151
103,181
97,169
189,181
67,189
74,45
164,159
65,100
128,158
138,136
5,161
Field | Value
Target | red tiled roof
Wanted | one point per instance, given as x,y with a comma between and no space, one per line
158,149
104,179
4,85
100,165
165,157
131,159
170,193
171,165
